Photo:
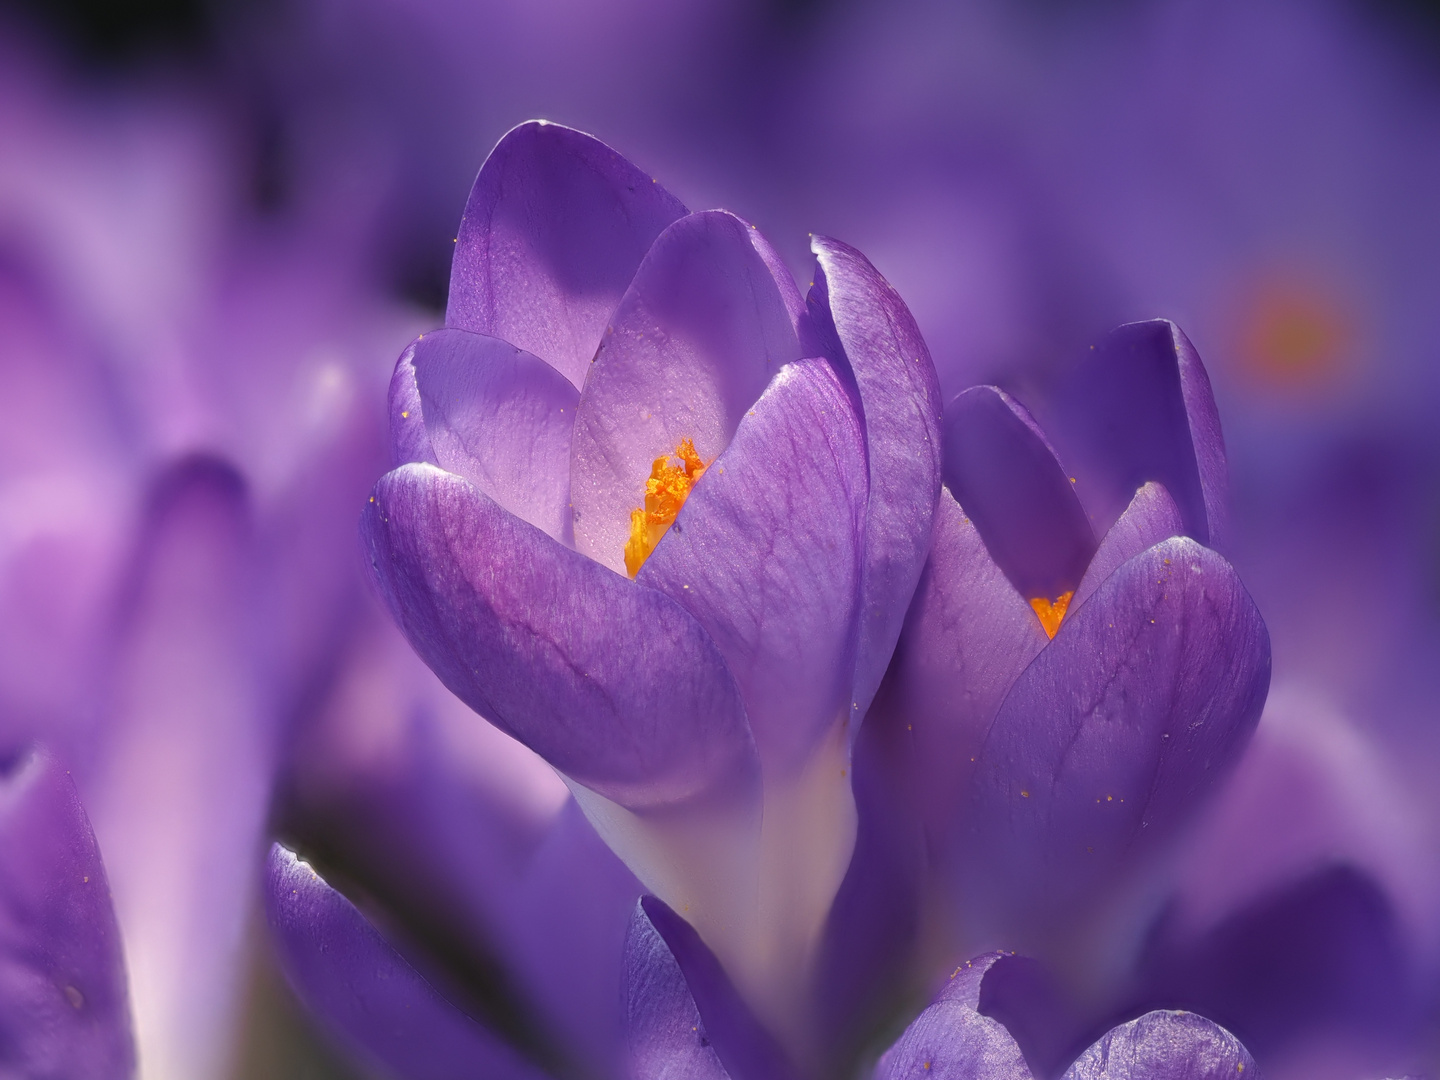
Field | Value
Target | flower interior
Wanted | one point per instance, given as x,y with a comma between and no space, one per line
665,493
1050,611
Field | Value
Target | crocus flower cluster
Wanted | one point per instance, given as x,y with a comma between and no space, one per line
662,521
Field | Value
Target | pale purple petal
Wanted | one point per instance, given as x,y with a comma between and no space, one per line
1164,1045
409,441
667,1039
63,1007
501,418
554,229
766,554
366,994
1006,478
188,724
864,321
614,684
1139,407
952,1040
1151,517
701,331
1139,705
741,1043
967,638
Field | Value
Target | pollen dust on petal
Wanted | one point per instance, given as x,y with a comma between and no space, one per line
1051,612
665,493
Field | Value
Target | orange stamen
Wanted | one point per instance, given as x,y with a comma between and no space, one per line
1051,611
665,493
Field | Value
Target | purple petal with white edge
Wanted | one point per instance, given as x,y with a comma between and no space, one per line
366,993
953,1040
501,418
743,1046
1164,1045
1139,705
1151,517
409,441
766,554
63,1006
864,319
666,1037
1005,475
701,331
968,636
553,231
1139,407
616,685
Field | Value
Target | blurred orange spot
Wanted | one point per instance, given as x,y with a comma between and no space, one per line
665,493
1294,335
1052,611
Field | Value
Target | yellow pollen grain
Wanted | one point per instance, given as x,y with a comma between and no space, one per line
665,493
1050,612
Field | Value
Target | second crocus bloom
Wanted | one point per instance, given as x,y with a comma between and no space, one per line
1080,665
659,519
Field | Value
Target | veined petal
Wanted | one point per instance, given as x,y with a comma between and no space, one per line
1140,703
766,554
553,231
953,1040
1005,476
968,636
1151,517
740,1043
1139,407
614,684
870,331
501,418
409,440
365,992
701,331
63,1004
1172,1045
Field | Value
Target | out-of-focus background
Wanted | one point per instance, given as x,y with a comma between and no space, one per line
220,223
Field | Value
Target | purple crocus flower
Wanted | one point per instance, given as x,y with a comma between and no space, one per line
659,519
1059,703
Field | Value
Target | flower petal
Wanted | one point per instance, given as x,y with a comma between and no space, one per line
1151,517
186,648
1139,407
952,1040
701,331
766,554
968,636
63,1006
409,440
1005,476
615,685
1172,1045
1143,700
742,1045
553,231
868,329
667,1038
366,992
502,419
